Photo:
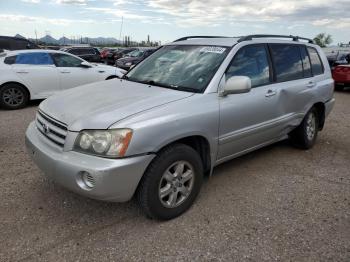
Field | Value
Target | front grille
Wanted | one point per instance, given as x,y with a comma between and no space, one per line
51,128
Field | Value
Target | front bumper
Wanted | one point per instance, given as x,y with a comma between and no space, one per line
114,179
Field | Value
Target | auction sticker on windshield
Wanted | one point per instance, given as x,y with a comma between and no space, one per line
213,49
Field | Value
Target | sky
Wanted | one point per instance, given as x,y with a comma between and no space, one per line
167,20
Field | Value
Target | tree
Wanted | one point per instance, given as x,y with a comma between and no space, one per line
323,40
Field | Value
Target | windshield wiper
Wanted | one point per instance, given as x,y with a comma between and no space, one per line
153,83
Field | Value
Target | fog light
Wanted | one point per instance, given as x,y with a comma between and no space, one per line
88,179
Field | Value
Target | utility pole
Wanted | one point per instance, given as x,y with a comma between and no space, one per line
121,29
36,37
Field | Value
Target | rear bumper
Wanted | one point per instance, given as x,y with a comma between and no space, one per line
329,106
114,179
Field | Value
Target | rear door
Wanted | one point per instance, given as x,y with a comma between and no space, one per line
293,78
249,120
71,73
38,72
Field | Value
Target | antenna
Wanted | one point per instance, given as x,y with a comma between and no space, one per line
121,29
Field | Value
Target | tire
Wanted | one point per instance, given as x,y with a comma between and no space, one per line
13,96
305,135
178,193
339,87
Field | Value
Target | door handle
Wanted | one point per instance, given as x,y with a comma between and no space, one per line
270,93
310,84
22,72
65,72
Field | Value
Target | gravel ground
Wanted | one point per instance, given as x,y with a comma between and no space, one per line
275,204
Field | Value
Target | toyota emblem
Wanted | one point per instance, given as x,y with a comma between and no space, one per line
46,129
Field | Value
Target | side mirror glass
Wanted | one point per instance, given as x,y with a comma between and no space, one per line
237,85
85,64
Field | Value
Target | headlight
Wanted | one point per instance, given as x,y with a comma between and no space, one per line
128,64
109,143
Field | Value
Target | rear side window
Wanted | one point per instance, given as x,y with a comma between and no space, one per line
287,62
316,64
306,62
34,59
251,61
10,60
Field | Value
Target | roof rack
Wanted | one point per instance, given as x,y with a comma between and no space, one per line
198,36
295,38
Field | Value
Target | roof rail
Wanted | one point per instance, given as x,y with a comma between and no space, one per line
198,36
295,38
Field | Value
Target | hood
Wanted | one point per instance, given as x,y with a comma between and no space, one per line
111,69
101,104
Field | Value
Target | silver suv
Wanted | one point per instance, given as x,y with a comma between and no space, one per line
195,103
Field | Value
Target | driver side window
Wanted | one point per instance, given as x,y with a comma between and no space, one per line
63,60
251,61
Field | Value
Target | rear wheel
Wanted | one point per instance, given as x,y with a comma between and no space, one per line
304,136
13,96
171,182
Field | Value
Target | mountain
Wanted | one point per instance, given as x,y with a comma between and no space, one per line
83,40
48,40
20,36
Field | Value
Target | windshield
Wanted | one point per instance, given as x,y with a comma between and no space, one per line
182,67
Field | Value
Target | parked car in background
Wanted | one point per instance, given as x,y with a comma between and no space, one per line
90,54
113,56
37,74
341,76
338,58
192,105
16,43
133,58
105,51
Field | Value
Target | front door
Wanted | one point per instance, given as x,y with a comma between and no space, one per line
71,72
249,120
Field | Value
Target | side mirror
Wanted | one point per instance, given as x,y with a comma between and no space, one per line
237,85
85,64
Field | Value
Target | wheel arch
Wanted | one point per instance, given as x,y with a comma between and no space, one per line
200,144
111,77
321,109
17,83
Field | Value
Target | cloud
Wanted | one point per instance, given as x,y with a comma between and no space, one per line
72,2
207,13
31,1
42,20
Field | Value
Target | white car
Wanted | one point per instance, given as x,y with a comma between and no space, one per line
38,74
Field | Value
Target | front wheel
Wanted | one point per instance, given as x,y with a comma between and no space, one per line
171,183
304,136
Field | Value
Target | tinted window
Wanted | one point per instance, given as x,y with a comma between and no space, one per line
5,44
34,59
20,44
90,51
75,51
251,61
306,62
10,60
63,60
316,64
287,61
